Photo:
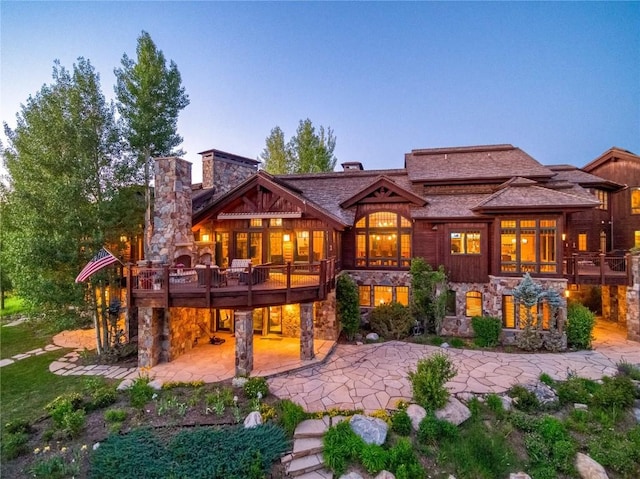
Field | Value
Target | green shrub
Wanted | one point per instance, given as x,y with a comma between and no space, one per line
54,468
486,330
576,390
432,429
457,343
428,381
348,305
618,451
14,444
102,397
391,321
550,445
628,369
373,458
115,415
524,399
546,379
401,423
256,387
436,340
342,447
523,422
402,461
494,403
140,392
580,323
290,415
618,393
18,425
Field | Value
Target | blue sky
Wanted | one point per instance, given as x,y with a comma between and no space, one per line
559,80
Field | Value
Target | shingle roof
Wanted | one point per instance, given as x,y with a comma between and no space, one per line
576,175
472,164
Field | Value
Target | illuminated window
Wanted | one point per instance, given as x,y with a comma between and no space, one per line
365,295
528,246
383,239
636,239
402,295
603,197
382,295
249,246
467,242
635,201
514,315
473,304
582,241
255,223
275,222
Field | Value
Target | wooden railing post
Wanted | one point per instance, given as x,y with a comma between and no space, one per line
207,283
323,279
628,266
602,263
165,276
574,266
249,281
288,294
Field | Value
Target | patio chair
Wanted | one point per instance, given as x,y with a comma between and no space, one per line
238,266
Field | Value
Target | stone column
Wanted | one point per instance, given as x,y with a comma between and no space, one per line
244,341
306,331
633,301
150,327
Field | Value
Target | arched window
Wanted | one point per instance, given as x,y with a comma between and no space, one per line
383,239
473,304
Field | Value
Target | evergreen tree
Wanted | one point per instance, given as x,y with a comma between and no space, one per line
276,157
150,96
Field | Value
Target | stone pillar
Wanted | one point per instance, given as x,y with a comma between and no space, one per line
633,301
306,331
150,328
605,296
172,235
244,341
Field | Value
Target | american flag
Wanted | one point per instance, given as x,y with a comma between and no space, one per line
102,259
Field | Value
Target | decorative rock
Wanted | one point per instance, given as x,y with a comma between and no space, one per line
351,475
544,393
156,384
252,420
507,402
371,429
636,413
5,362
385,475
416,414
588,468
359,343
580,406
445,345
465,396
454,412
519,475
96,446
372,337
124,385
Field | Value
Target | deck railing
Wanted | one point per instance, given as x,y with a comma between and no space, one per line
598,267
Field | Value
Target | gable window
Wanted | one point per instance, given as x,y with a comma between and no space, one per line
635,201
528,246
473,305
383,239
514,315
465,242
603,197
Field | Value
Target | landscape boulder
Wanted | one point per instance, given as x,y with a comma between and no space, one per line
589,468
252,420
454,412
371,429
416,413
372,337
385,475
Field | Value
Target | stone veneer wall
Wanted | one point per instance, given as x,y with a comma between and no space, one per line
326,325
291,321
183,327
633,301
172,234
227,174
150,330
617,294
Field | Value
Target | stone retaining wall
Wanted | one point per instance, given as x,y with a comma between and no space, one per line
633,301
325,324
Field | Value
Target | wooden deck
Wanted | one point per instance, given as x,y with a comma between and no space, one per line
220,288
598,268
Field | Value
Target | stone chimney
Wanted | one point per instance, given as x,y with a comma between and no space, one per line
352,166
224,171
172,235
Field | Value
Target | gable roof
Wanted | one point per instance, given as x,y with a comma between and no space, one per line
383,190
472,164
612,153
573,174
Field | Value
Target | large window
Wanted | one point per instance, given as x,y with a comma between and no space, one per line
603,197
636,239
465,242
528,246
473,305
635,201
383,295
514,314
582,241
249,246
383,239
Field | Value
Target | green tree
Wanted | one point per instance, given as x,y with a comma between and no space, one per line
429,294
65,171
149,96
307,151
276,157
347,305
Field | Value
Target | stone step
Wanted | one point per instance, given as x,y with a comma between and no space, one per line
306,446
319,474
311,428
304,465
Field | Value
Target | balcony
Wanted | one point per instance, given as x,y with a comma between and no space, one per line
212,287
598,268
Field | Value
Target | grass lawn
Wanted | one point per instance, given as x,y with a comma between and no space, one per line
27,386
12,305
21,338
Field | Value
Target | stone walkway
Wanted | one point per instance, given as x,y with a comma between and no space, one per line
374,376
